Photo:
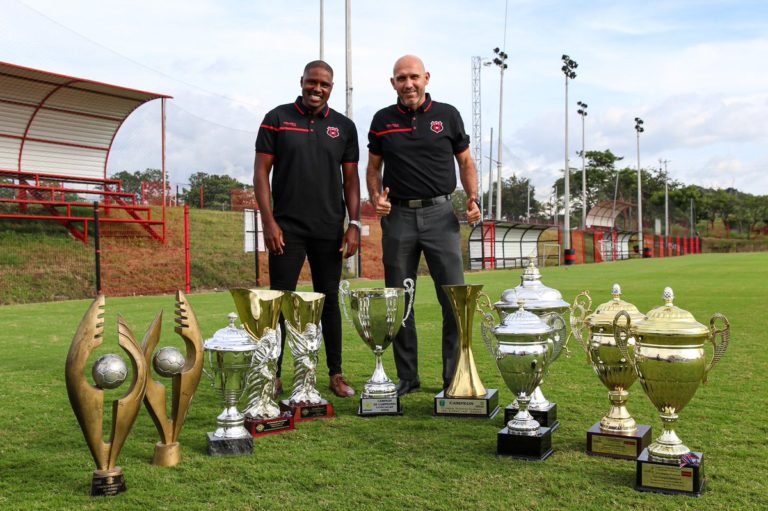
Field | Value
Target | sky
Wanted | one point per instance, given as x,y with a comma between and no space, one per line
688,68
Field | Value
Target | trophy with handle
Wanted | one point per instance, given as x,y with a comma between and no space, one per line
617,434
377,314
670,362
302,312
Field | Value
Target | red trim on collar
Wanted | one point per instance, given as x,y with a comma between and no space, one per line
303,110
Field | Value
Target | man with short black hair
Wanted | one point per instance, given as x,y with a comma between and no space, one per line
418,141
313,151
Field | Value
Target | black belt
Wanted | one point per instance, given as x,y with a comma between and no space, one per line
420,203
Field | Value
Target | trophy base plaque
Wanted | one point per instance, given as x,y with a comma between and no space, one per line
106,483
547,417
229,446
308,412
167,455
671,478
262,427
536,447
373,406
483,407
626,446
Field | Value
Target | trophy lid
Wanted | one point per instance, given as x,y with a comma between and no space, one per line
670,320
522,323
226,339
606,312
537,296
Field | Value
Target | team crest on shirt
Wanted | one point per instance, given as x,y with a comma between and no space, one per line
332,131
436,126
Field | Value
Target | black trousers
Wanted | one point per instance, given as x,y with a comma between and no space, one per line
406,234
325,264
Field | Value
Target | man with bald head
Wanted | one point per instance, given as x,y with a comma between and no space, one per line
418,142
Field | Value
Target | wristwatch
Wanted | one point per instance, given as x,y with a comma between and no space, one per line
357,224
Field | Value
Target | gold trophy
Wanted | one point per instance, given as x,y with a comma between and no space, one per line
109,372
669,360
617,434
302,312
185,375
466,396
259,311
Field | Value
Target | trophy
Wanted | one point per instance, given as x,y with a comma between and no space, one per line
184,373
302,312
377,314
465,396
617,434
229,354
539,299
109,372
259,311
669,360
525,346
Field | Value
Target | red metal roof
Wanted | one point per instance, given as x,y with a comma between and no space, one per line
57,124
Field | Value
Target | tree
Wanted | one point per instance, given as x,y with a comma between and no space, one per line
132,181
215,190
514,199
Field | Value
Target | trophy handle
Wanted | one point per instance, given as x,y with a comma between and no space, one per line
410,290
724,336
582,305
486,324
343,293
621,334
556,321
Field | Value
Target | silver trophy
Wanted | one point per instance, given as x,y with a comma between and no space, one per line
377,314
302,312
228,356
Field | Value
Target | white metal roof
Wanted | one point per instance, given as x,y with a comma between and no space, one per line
56,124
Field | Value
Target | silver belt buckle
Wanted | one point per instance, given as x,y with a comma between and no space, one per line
414,203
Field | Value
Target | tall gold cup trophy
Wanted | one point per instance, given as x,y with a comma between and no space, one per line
302,312
259,311
670,361
617,434
466,396
109,372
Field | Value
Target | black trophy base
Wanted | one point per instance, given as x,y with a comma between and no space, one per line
373,406
536,447
106,483
671,478
546,418
308,412
229,446
483,407
263,427
626,446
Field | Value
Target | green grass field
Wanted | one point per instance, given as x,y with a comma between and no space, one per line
411,462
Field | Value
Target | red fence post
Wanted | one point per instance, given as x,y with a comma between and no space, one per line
187,258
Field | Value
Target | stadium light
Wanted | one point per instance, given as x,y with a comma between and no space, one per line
568,70
500,61
582,111
639,129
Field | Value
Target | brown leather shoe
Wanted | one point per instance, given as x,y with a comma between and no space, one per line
278,388
340,387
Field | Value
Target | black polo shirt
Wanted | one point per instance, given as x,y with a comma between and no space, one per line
418,148
307,183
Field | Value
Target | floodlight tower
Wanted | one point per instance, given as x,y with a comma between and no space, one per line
582,111
568,70
500,61
477,129
639,129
